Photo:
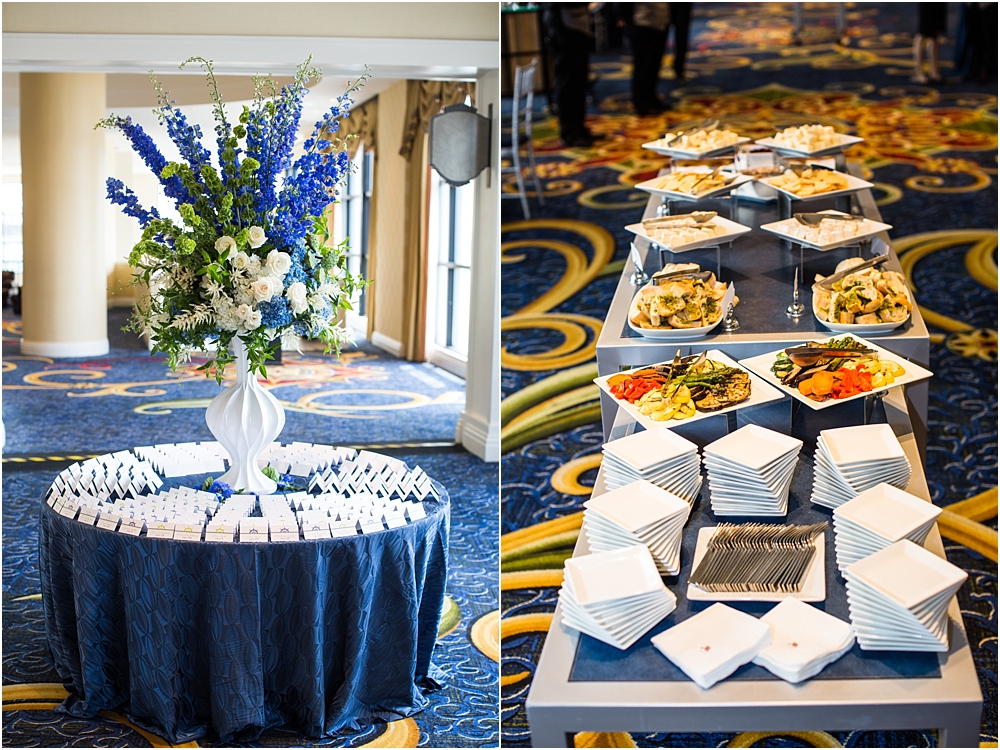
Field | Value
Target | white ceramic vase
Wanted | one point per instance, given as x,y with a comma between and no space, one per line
245,418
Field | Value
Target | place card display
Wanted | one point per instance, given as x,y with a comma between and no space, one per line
350,493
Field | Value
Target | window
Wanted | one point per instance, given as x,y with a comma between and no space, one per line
13,250
450,235
351,217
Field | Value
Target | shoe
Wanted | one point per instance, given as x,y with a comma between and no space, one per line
656,107
919,78
579,140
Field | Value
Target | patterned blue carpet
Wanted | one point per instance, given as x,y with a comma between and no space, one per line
75,407
931,152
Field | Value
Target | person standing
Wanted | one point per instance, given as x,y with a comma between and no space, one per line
650,23
932,23
570,37
680,19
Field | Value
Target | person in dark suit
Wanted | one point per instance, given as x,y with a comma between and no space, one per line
680,20
648,31
570,37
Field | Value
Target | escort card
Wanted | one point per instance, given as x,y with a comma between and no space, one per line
192,532
88,516
160,530
131,526
316,530
220,532
415,511
370,525
253,530
284,530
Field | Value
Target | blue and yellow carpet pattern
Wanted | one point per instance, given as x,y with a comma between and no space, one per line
59,411
931,152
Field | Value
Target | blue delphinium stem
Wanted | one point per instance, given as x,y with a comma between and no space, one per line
143,145
122,196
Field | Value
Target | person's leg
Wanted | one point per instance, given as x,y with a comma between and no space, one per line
680,19
572,54
933,73
918,59
647,56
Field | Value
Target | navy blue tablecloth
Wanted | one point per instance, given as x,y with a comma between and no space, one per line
192,639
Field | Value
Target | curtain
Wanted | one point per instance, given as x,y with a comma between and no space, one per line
361,128
424,99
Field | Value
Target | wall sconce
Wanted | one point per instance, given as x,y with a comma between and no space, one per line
460,143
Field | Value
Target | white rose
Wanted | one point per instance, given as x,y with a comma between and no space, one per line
225,242
240,261
278,263
263,289
297,297
256,237
253,320
243,312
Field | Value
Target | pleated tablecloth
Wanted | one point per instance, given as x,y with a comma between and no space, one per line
195,638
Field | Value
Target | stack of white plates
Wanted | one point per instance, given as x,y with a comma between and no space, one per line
750,472
614,596
877,518
713,644
850,460
803,641
899,598
658,456
638,513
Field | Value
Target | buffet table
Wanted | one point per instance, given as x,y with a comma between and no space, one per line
762,267
582,685
189,638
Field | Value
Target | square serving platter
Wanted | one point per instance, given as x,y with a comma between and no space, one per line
760,393
869,229
732,231
761,366
681,154
649,186
854,184
846,141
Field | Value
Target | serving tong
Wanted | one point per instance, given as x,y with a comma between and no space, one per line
828,282
807,356
699,217
815,219
757,558
705,125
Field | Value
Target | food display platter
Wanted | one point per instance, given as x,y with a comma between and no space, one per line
813,582
869,229
681,334
649,186
846,141
682,154
761,392
854,184
861,329
733,230
761,366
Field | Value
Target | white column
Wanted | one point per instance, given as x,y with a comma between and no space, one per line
479,427
64,297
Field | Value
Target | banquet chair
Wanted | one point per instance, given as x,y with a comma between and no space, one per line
519,135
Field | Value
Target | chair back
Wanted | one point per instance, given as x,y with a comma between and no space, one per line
524,96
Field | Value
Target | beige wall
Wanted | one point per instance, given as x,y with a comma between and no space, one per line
475,21
390,197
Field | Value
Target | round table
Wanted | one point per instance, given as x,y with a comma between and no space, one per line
189,638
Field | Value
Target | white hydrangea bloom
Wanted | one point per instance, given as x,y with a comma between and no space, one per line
254,267
225,313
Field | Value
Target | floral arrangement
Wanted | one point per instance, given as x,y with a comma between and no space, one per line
251,256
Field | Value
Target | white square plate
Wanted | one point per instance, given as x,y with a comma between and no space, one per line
753,446
760,393
650,186
888,512
638,505
813,583
732,230
907,573
862,445
678,153
650,448
761,366
784,229
845,142
608,576
854,184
